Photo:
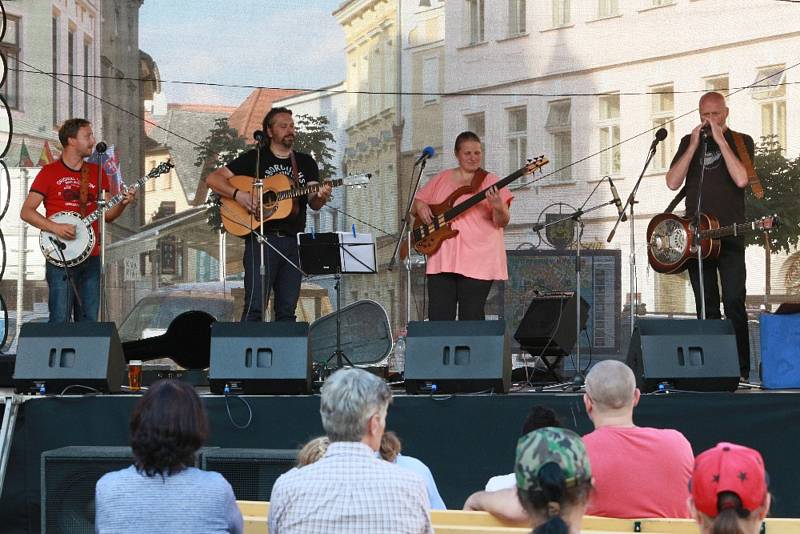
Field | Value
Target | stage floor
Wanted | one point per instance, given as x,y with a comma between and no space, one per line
464,439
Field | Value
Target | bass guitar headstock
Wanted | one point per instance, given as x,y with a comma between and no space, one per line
535,164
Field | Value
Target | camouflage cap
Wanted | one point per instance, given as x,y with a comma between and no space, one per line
550,444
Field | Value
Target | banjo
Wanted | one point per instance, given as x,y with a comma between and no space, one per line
75,251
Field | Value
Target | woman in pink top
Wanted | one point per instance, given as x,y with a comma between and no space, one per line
461,272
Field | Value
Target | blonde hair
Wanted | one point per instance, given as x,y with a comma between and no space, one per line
390,446
312,451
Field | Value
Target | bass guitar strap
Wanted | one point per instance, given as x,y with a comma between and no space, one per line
477,179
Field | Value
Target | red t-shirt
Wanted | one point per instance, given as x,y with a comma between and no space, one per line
61,188
639,472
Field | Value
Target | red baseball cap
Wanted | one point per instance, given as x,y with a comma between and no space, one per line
728,468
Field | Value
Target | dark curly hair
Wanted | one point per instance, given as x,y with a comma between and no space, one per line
168,425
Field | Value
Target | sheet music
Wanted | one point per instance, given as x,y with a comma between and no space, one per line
357,253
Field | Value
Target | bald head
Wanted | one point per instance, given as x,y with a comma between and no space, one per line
611,385
712,97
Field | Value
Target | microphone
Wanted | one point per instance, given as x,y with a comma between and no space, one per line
705,131
537,227
101,147
661,134
617,201
259,136
57,242
427,152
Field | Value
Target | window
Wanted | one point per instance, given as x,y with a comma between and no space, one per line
608,129
375,74
476,123
388,76
517,138
661,113
430,80
559,126
166,181
718,84
54,81
363,87
10,49
658,3
769,90
87,70
475,10
607,8
561,16
150,185
516,17
71,72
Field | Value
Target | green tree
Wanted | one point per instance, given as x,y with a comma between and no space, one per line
314,138
780,178
221,146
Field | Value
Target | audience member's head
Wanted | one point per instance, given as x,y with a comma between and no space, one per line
168,425
554,479
611,391
353,407
313,451
729,490
390,446
540,417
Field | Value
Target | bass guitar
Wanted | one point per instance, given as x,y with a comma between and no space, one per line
279,194
428,238
671,239
75,251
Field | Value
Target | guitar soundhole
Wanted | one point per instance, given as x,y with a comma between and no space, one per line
270,198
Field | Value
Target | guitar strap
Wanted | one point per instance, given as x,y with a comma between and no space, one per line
84,189
744,157
477,179
295,171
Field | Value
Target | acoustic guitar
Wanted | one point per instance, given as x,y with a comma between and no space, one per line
671,240
428,238
279,194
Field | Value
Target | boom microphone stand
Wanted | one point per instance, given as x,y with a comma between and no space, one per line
101,209
698,244
258,186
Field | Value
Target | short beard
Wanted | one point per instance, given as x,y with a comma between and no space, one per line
288,143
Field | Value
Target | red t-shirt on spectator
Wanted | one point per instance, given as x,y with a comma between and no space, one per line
639,472
61,188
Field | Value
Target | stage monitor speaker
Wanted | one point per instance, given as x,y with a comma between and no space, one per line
457,356
548,326
689,355
69,476
56,356
260,358
250,472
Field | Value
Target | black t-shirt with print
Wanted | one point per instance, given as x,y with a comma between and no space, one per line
270,165
721,196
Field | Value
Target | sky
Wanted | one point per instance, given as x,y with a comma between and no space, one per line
269,43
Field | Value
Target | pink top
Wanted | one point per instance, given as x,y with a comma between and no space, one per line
639,472
478,251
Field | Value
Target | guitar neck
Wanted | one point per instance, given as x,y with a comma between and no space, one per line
734,229
116,199
296,192
455,211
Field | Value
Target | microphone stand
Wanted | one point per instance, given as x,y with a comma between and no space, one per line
696,230
258,186
101,209
58,245
420,166
630,202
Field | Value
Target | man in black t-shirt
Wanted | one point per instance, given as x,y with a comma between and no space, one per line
276,158
724,180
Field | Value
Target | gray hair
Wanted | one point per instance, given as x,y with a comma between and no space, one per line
349,398
611,385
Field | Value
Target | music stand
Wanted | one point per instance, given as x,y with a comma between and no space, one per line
337,253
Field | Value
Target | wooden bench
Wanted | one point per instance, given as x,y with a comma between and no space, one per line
463,522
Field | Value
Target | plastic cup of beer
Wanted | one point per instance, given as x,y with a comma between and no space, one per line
135,375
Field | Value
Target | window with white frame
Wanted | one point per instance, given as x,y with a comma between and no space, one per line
559,128
430,80
561,13
608,132
476,123
55,53
607,8
375,73
658,3
517,138
71,72
516,17
769,90
363,87
718,84
10,48
87,71
662,113
475,18
388,75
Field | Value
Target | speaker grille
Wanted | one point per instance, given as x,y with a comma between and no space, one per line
251,472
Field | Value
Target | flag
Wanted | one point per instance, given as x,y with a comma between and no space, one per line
110,168
46,157
24,156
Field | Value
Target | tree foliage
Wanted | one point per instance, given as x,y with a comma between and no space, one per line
780,178
313,138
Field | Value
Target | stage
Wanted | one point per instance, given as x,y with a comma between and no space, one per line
464,439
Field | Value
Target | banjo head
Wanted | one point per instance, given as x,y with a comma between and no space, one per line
668,241
76,250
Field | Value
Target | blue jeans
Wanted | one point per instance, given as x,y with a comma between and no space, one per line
282,278
61,299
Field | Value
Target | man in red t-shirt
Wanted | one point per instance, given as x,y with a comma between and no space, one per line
58,185
638,471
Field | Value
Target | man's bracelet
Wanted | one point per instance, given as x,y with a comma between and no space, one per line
234,193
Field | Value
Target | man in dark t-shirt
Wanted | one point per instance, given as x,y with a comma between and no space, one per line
277,158
724,180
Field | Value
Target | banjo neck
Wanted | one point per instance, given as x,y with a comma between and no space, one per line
116,199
